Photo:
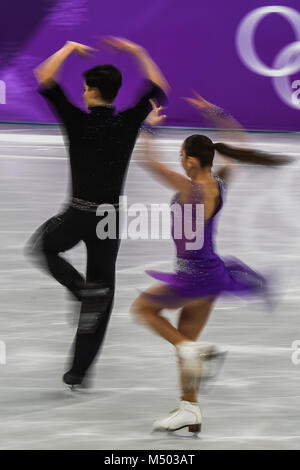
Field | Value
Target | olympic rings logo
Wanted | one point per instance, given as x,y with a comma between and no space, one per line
286,63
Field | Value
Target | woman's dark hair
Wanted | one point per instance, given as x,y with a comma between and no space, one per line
202,148
107,78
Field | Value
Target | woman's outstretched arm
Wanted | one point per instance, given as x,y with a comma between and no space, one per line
220,120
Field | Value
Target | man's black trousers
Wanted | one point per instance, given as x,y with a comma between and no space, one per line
59,234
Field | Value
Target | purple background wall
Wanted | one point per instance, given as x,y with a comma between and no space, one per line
193,41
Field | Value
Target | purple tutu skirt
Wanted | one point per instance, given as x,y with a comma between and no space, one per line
207,278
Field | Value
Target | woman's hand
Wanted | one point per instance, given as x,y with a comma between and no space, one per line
200,103
155,117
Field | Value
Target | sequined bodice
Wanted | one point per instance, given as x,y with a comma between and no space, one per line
188,218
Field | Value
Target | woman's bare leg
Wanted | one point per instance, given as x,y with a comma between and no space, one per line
192,320
150,314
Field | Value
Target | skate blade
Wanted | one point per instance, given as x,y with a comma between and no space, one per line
73,388
192,428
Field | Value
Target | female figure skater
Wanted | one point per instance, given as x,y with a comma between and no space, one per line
201,275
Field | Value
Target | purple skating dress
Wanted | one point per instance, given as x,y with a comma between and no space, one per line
201,272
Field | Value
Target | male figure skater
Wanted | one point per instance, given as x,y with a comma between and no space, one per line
100,146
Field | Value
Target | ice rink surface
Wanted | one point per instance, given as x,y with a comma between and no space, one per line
255,402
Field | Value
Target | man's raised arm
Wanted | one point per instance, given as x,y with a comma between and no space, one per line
45,72
148,66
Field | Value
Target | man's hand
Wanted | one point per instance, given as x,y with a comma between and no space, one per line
149,68
80,49
122,44
46,71
155,118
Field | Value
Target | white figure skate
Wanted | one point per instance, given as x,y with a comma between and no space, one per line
188,414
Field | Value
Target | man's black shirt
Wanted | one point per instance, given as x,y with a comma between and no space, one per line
100,142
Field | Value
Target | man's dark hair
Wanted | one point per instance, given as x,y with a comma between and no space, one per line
107,78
